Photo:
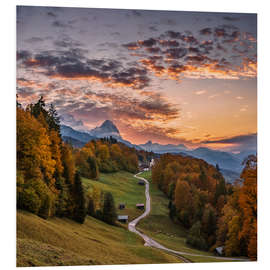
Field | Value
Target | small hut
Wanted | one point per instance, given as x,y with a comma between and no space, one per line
219,251
141,182
121,206
123,219
140,205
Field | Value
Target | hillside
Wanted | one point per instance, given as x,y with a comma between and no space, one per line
57,242
157,225
124,188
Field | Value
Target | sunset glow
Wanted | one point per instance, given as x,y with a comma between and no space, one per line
164,76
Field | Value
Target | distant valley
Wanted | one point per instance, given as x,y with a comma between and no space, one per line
229,163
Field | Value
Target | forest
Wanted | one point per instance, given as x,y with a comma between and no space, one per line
217,214
49,170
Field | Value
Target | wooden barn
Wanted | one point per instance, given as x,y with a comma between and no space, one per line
123,219
141,182
121,206
140,205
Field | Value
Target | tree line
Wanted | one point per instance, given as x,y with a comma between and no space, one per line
214,212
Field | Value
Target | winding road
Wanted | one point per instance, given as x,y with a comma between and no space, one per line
152,243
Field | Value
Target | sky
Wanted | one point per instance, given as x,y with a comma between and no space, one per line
165,76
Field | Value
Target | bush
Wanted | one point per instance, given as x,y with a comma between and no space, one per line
195,238
29,200
45,208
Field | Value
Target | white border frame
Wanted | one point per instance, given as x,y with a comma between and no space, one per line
8,130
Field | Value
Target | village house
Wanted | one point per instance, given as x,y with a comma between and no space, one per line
123,219
219,251
141,182
140,205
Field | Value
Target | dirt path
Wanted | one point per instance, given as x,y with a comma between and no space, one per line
152,243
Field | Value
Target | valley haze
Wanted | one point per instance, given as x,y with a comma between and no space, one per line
230,163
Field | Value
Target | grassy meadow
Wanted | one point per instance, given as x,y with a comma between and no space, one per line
57,242
61,241
125,189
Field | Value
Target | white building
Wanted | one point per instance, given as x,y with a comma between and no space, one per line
152,163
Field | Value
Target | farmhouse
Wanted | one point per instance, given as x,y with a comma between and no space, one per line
123,219
121,206
140,205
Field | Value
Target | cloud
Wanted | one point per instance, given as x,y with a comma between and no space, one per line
69,120
73,65
200,92
60,24
241,141
67,42
147,43
231,19
174,35
169,43
189,56
34,40
136,13
131,46
51,14
206,31
23,55
213,96
153,28
175,53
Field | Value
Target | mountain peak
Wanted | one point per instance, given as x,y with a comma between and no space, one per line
109,126
107,129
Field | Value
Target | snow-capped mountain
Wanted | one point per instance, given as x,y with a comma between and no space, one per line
160,148
107,129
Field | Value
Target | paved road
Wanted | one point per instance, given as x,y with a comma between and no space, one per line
152,243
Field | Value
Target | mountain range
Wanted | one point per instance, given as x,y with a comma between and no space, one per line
230,164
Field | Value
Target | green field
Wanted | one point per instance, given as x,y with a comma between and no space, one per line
125,189
158,225
64,242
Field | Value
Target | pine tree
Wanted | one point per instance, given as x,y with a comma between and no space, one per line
79,210
93,167
109,211
91,207
53,119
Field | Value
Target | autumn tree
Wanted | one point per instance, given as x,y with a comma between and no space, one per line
248,202
195,237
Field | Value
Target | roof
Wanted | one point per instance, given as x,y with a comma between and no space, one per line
219,250
122,217
140,204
